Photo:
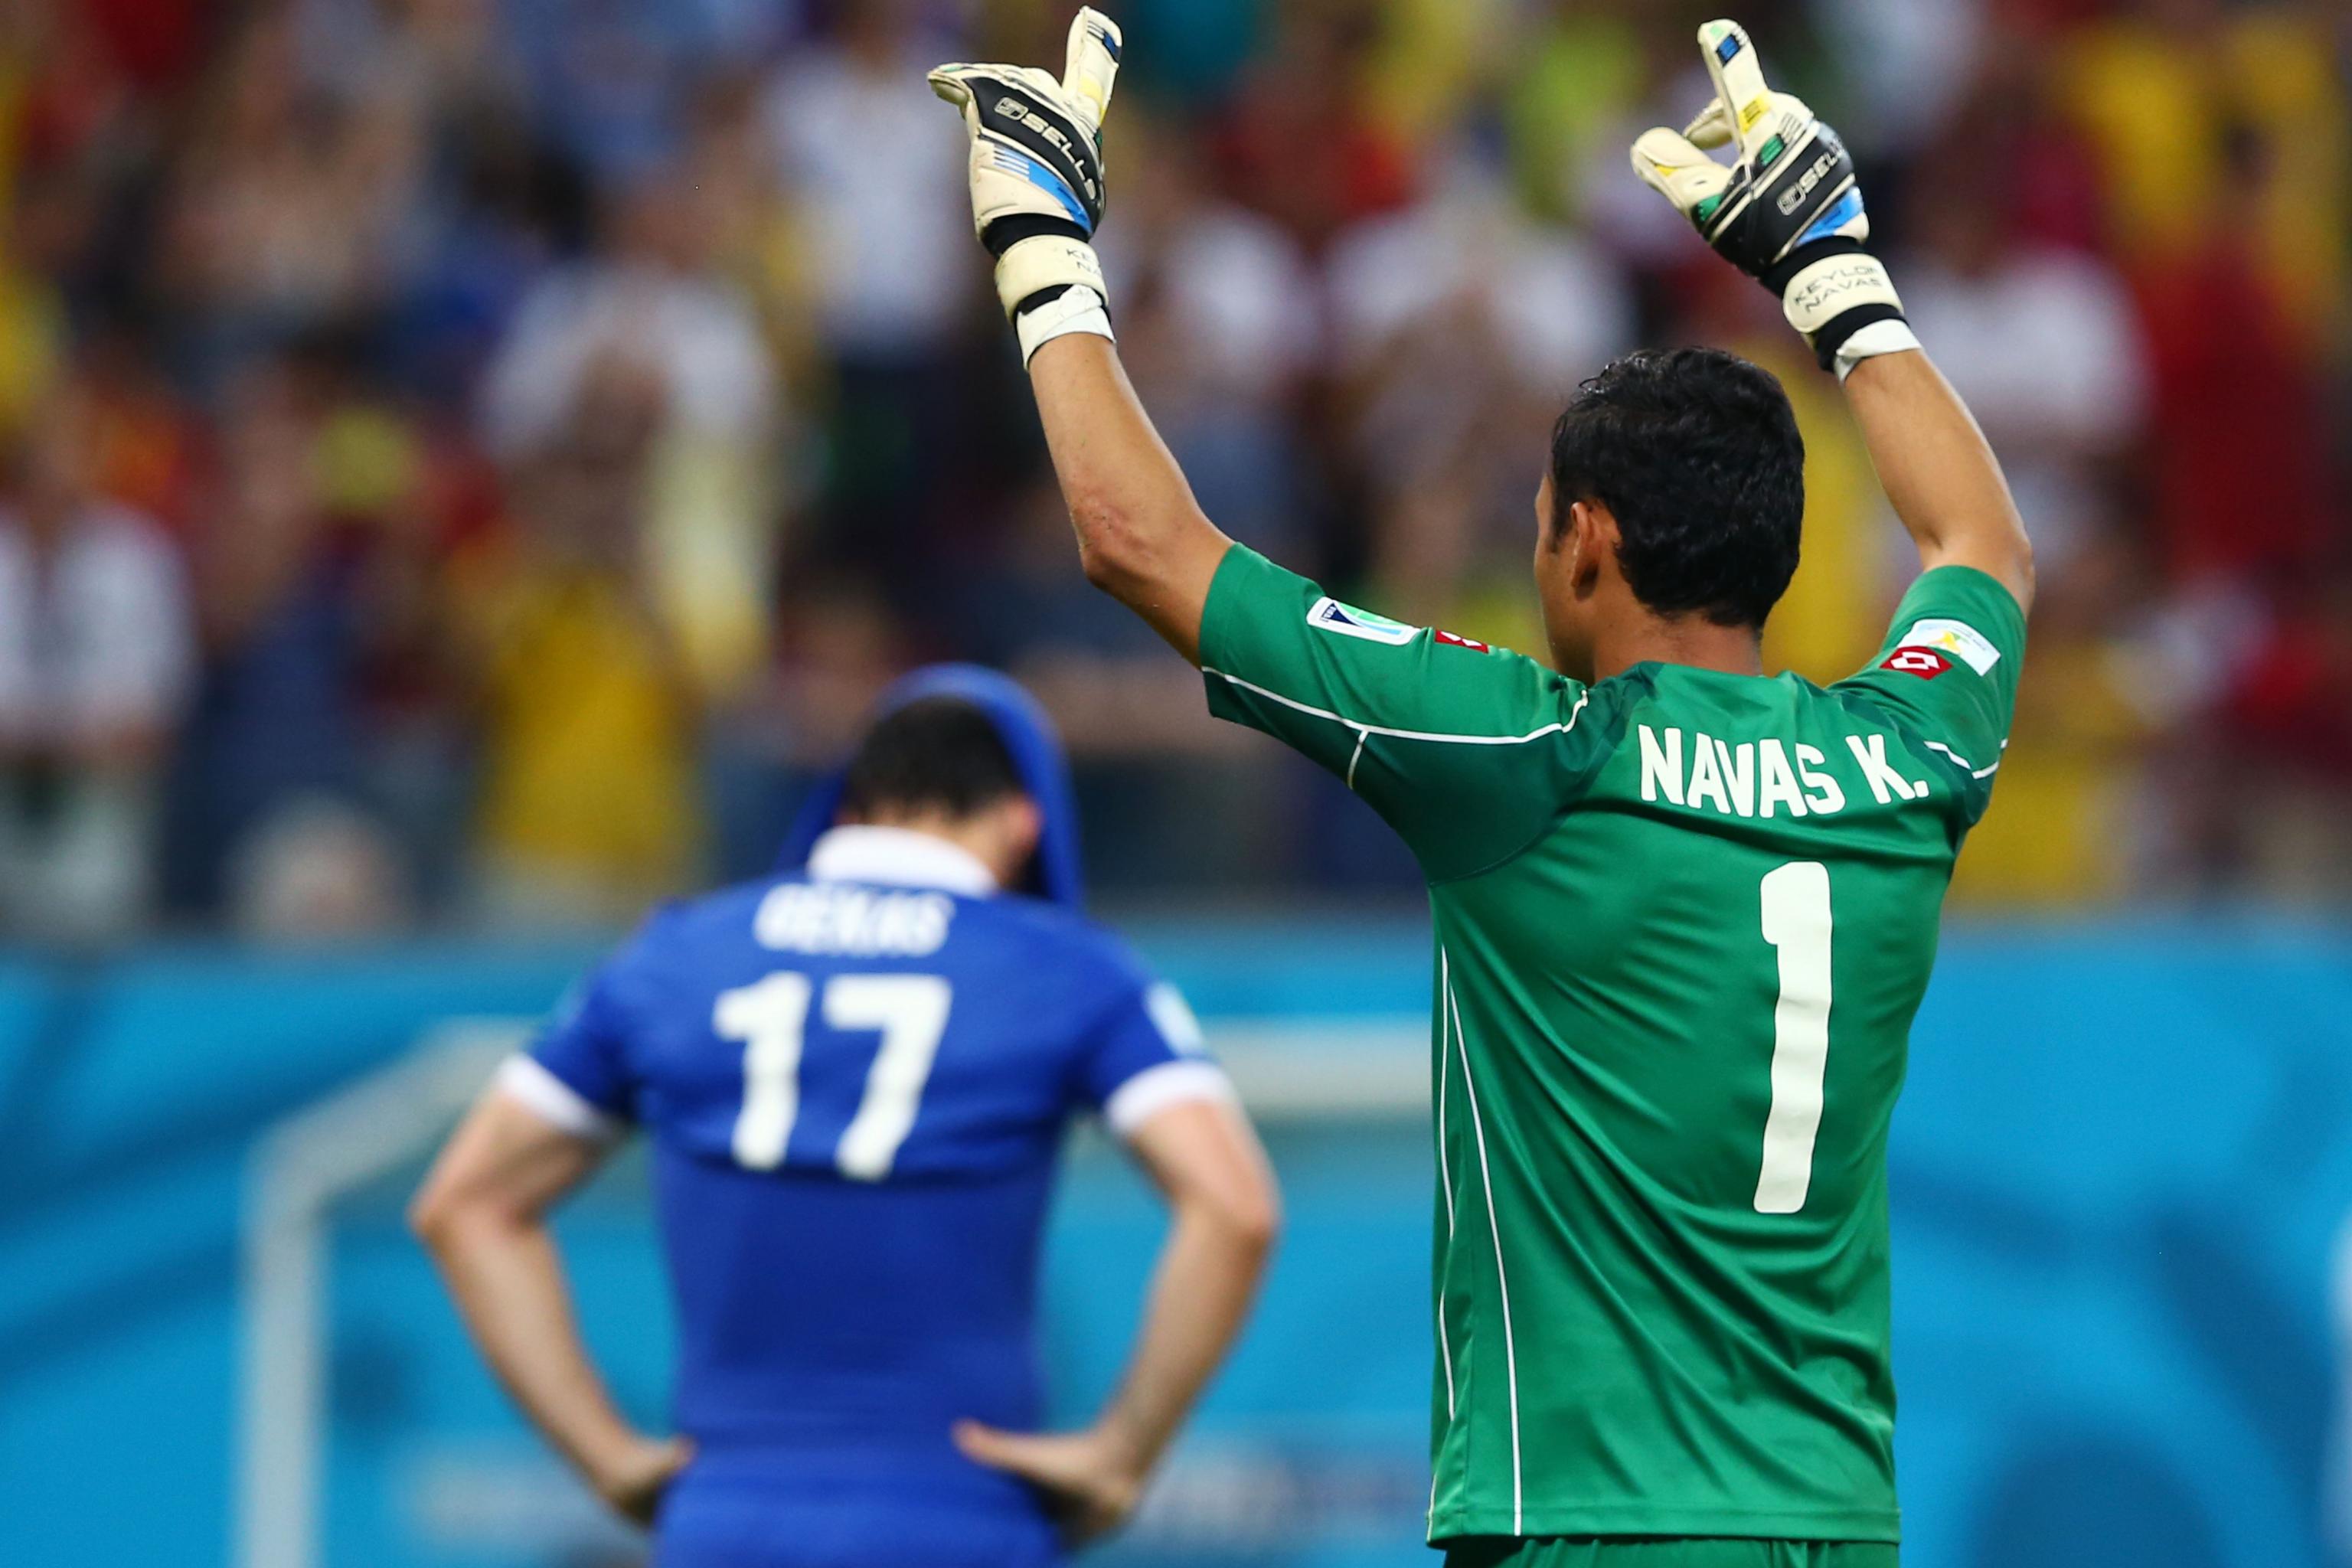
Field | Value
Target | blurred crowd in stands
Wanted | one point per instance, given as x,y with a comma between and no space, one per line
467,460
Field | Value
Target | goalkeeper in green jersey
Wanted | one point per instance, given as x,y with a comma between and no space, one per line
1684,910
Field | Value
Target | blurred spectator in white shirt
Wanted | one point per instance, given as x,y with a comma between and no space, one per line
1909,62
876,165
2043,342
1461,328
656,299
95,657
1220,322
650,295
872,167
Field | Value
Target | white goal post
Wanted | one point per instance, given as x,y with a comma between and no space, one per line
1288,1071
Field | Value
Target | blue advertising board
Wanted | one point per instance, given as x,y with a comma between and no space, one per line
2119,1173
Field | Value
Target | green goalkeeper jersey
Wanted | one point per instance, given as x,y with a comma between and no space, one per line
1683,920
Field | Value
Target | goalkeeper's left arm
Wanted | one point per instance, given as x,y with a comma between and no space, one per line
1036,196
1787,211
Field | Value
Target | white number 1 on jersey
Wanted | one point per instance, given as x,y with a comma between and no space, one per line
1796,899
770,1017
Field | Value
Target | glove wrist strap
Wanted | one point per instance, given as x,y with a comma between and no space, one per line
1833,295
1045,264
1892,336
1075,309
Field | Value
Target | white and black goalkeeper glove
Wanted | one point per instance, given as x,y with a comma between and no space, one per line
1787,211
1037,179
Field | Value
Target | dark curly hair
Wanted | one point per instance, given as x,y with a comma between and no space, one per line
1696,454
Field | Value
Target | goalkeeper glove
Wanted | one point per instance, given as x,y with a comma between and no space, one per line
1787,211
1037,180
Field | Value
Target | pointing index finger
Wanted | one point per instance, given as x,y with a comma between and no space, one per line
1093,64
1739,78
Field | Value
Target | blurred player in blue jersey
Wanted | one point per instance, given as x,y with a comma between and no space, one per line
856,1077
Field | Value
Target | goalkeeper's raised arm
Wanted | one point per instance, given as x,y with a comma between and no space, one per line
1036,196
1787,211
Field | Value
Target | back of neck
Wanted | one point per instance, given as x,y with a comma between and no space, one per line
1691,640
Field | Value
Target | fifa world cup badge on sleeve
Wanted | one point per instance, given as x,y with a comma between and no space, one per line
1331,616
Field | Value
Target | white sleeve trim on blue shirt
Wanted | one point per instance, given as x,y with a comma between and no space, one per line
526,1080
1157,1088
1172,1016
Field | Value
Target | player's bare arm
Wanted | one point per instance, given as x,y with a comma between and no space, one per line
482,1214
1141,536
1938,471
1787,211
1224,1214
1037,195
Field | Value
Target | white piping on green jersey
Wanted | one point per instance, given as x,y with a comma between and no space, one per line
1974,771
1445,1185
1561,728
1494,1228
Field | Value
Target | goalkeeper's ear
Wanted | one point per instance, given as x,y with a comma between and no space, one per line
1093,66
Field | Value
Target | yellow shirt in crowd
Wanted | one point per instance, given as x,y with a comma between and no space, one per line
588,777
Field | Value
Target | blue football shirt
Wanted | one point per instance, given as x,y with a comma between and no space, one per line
855,1082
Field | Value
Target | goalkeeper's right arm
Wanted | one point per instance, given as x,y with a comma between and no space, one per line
1141,536
1036,196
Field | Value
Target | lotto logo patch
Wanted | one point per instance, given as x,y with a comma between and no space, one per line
1457,640
1346,620
1924,662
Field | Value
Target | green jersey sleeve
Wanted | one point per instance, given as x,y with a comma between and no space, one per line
1469,753
1948,674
